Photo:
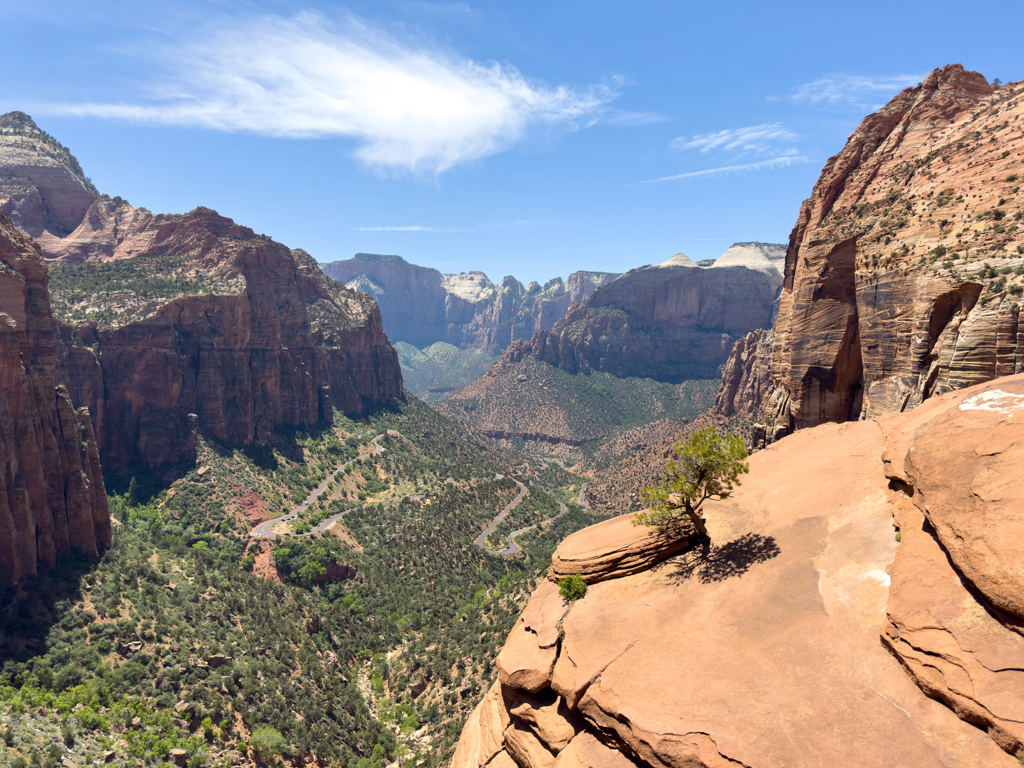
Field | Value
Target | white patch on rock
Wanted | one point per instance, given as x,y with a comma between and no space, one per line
994,400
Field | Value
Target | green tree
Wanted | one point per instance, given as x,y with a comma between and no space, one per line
267,742
707,466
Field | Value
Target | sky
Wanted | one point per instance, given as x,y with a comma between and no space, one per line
525,138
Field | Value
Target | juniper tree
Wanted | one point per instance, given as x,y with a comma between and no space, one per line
707,466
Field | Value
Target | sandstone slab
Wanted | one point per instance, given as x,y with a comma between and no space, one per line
807,623
616,548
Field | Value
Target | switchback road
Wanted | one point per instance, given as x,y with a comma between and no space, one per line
262,531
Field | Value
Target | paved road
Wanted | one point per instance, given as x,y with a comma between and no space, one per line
479,541
513,548
262,531
583,496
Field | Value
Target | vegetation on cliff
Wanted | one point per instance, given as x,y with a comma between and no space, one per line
361,646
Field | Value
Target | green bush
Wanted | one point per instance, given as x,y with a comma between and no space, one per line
572,588
267,742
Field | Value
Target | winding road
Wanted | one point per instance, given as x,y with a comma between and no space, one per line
512,548
262,531
479,540
583,496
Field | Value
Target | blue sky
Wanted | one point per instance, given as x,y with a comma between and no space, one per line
524,138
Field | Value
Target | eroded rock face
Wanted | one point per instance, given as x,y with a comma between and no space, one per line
205,325
421,305
42,187
51,485
671,322
746,375
888,296
763,650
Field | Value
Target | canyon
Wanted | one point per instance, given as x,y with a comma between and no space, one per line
422,306
638,350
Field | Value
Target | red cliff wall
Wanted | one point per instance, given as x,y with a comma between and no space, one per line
273,341
893,291
51,485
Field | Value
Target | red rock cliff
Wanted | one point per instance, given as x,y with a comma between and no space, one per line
185,322
51,485
903,270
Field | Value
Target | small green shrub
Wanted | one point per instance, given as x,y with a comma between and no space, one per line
572,588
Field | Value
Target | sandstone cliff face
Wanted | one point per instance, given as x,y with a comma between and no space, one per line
42,187
746,375
671,322
422,306
51,486
762,648
902,274
198,323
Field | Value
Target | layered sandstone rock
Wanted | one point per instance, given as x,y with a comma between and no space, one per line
671,322
746,375
617,548
902,276
51,484
764,649
186,322
42,186
422,306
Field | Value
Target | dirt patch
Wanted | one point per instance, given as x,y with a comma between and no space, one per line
340,530
264,566
254,507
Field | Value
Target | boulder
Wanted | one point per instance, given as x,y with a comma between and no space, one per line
616,548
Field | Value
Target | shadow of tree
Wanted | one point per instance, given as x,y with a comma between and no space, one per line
710,563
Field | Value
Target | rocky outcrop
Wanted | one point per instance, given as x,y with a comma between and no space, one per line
422,306
671,322
746,375
42,186
617,548
190,322
52,499
763,648
901,275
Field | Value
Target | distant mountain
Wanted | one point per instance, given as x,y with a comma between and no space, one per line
421,305
618,359
670,322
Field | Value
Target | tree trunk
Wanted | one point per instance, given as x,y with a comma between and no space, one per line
698,523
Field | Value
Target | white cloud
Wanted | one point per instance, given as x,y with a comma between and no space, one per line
775,162
754,138
411,107
855,90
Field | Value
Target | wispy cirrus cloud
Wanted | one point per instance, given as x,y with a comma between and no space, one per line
410,106
851,90
754,138
761,165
